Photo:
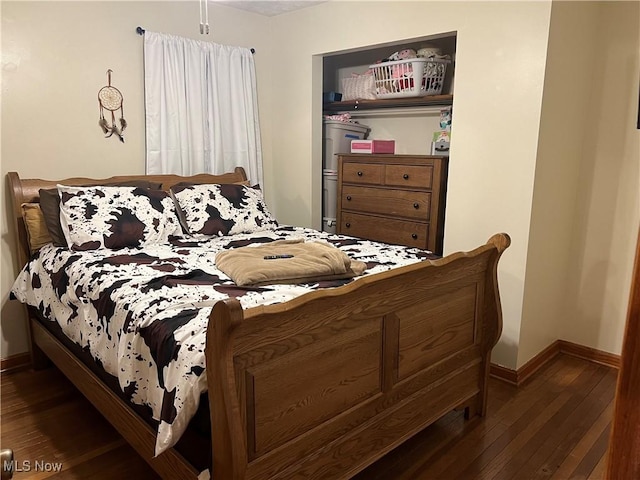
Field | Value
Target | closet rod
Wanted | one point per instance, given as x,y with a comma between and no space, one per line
140,31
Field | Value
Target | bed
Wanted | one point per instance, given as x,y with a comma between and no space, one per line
318,384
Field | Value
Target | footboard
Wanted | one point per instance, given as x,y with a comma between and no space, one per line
324,385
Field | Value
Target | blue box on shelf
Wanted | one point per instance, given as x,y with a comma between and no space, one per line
331,97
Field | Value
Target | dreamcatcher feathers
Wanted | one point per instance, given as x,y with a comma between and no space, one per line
110,98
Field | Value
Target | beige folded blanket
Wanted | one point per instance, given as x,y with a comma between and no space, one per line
310,262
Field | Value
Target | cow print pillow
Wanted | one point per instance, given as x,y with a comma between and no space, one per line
116,217
222,209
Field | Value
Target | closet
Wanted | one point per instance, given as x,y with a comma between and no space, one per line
411,122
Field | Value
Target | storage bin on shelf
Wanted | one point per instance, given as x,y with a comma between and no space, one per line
337,138
413,77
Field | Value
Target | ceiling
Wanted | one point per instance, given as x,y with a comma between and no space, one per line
269,7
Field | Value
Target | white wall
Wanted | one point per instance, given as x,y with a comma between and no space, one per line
586,207
568,89
54,59
608,198
501,54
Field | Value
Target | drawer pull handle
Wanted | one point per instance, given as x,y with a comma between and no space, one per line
414,236
416,205
405,176
347,224
359,174
348,198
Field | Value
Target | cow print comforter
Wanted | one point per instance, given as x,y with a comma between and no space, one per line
142,313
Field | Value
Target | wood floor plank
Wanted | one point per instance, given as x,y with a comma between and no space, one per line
567,434
578,389
47,422
115,464
571,462
50,431
599,472
593,457
555,426
514,439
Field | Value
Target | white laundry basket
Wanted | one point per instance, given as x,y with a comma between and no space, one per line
413,77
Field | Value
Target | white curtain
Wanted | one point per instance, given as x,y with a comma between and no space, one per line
201,107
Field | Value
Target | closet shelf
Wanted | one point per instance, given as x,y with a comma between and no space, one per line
352,105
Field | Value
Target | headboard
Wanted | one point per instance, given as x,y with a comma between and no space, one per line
27,190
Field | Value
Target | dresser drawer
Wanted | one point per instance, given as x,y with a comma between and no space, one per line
384,201
420,176
367,173
388,230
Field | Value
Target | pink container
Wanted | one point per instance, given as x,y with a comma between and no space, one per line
373,146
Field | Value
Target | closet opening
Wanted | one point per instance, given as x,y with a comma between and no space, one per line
389,105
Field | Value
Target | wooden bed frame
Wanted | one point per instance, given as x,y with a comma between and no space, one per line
321,386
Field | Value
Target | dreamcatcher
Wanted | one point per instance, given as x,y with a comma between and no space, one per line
110,98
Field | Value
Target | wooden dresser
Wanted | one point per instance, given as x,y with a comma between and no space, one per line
396,199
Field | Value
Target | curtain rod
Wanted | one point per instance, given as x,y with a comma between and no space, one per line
140,31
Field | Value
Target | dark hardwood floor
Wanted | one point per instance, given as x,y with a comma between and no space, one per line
555,426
